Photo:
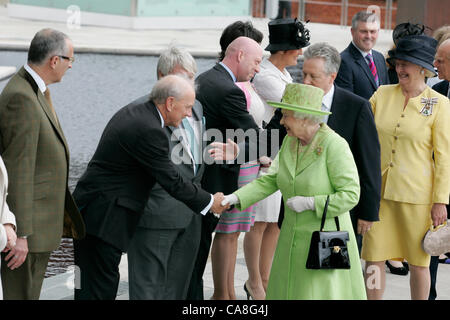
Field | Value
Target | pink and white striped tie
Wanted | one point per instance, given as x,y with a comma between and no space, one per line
373,68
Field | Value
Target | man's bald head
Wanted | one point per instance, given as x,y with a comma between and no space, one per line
174,95
442,60
243,57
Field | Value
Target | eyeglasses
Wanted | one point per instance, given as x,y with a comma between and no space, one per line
71,59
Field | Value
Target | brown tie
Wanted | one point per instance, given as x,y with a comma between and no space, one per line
49,100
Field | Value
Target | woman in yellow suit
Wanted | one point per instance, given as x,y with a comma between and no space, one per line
413,123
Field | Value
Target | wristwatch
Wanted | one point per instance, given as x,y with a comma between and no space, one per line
23,237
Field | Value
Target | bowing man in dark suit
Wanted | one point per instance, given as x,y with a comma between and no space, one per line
362,69
442,63
132,155
352,119
225,107
162,252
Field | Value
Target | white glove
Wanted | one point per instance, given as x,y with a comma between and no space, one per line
230,199
300,204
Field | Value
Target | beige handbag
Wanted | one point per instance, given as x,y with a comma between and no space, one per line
437,240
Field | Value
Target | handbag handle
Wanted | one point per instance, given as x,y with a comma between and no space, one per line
324,216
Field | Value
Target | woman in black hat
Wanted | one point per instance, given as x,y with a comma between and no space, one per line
402,30
413,124
287,37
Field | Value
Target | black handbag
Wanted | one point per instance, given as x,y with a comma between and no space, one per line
328,249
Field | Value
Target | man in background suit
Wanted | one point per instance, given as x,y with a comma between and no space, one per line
362,69
162,252
36,156
225,107
352,119
442,63
132,155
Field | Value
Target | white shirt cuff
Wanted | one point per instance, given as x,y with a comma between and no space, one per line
206,210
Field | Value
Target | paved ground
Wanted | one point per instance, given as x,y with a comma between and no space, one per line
16,34
397,287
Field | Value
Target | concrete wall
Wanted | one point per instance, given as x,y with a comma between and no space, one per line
134,14
150,8
192,8
116,7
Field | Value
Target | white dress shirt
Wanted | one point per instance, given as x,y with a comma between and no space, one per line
327,100
363,53
36,78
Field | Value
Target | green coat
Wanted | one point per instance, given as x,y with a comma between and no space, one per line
324,167
36,157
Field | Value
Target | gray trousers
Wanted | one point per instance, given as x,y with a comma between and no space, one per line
160,261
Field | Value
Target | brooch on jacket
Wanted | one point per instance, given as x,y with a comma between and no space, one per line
427,109
319,150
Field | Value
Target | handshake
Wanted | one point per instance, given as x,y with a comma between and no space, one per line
222,203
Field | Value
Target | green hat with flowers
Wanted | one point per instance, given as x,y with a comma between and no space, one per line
301,98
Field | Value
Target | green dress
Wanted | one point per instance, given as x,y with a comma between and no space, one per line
324,167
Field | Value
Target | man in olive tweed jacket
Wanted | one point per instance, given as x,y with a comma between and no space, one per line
36,156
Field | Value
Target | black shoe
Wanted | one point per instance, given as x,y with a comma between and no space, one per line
445,259
400,271
248,292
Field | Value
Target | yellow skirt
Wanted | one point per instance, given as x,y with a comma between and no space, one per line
399,233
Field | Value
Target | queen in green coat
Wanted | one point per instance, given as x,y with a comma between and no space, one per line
313,162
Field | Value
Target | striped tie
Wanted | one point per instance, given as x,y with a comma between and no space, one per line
193,144
373,68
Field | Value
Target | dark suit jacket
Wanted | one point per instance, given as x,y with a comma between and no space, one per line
132,155
352,119
442,88
354,73
36,157
225,107
162,210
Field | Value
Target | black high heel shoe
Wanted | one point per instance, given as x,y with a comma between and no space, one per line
248,291
400,271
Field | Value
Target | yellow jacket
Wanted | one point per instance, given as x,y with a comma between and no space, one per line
408,139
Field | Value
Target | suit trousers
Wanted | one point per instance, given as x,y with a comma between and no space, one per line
160,261
195,291
358,237
98,263
25,282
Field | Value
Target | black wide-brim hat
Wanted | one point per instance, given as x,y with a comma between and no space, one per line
287,34
418,49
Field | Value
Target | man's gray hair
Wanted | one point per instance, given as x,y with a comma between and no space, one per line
325,51
364,16
172,85
306,116
174,56
45,44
